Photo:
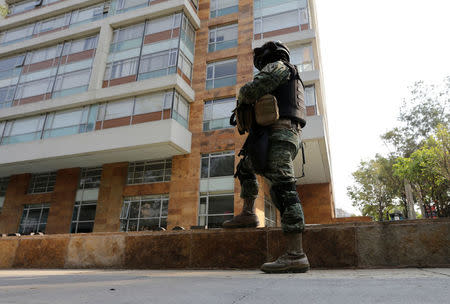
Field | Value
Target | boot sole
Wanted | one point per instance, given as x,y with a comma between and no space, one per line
287,270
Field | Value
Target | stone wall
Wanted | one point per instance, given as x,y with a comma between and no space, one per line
420,243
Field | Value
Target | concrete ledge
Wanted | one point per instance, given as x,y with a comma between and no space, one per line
421,243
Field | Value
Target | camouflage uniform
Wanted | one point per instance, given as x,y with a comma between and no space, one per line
284,138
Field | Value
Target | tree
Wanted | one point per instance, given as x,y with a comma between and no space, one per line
376,188
428,170
422,111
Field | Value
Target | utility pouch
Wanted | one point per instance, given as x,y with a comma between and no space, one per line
243,117
266,110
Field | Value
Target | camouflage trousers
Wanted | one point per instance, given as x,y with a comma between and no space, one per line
279,171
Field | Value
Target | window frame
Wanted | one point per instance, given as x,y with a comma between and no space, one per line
166,176
213,155
77,221
214,78
214,30
206,215
125,212
39,223
49,179
92,179
217,9
211,103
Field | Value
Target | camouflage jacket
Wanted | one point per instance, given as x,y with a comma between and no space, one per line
266,81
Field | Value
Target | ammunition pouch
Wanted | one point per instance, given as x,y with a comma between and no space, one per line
266,110
243,117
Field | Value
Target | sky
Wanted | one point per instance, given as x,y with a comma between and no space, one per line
371,52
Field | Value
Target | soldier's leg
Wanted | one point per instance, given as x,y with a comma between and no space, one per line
249,192
280,171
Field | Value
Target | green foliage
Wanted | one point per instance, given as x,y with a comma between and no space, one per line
376,188
3,10
419,155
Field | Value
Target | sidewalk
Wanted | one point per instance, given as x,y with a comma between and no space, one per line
413,285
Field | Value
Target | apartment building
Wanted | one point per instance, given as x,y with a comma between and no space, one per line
114,115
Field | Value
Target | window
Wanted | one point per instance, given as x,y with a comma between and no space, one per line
223,7
180,110
270,214
216,114
42,182
268,13
185,66
143,172
83,217
123,6
44,54
221,74
24,129
9,75
34,218
142,213
90,178
52,24
3,185
122,68
158,64
59,123
69,122
224,37
88,14
80,45
17,34
302,57
23,6
310,101
72,83
214,209
217,164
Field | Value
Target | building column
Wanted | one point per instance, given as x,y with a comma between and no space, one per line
110,197
317,203
101,56
14,201
184,191
63,199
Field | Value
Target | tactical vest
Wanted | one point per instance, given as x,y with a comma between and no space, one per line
291,97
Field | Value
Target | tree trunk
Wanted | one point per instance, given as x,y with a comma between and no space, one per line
420,200
410,202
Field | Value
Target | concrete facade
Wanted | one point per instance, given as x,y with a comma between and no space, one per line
184,144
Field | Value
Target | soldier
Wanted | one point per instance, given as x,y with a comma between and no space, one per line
270,151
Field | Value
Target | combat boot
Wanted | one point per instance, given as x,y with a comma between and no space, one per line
246,219
293,260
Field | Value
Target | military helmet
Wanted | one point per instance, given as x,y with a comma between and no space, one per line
270,52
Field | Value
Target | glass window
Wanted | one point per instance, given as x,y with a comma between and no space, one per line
214,209
67,122
151,103
52,24
42,182
180,110
3,185
221,74
302,56
88,14
216,114
217,164
122,68
223,37
158,64
44,54
128,33
90,178
162,24
294,14
270,213
23,6
119,109
80,45
34,218
185,66
122,6
24,129
310,96
17,34
140,213
223,7
83,217
144,172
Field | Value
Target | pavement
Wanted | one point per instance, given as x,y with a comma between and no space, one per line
412,285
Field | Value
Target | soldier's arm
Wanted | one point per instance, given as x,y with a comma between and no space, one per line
270,77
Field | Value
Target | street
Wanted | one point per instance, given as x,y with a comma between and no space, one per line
411,285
